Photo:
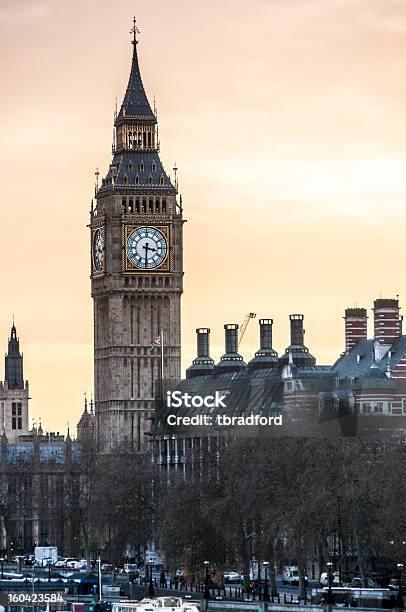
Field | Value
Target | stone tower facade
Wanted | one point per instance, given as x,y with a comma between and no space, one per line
14,392
136,275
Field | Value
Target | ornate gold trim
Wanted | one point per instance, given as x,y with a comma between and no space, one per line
127,229
102,228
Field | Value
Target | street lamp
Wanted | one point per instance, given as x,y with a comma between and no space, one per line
266,590
151,590
206,580
259,586
99,578
330,581
400,569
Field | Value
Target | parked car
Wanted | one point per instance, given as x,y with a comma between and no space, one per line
233,578
394,585
76,564
29,560
131,568
324,579
356,583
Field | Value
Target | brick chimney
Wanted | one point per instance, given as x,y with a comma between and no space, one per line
355,326
296,329
387,321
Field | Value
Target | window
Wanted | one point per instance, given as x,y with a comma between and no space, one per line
150,180
161,180
141,167
19,422
153,167
137,180
13,409
404,406
19,409
378,408
13,423
366,408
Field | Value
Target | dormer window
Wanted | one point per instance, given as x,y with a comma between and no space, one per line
150,180
141,167
161,180
137,180
153,167
130,166
125,179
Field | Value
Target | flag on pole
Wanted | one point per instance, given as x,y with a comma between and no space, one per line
156,342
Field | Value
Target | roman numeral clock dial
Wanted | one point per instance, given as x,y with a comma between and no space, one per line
147,248
98,251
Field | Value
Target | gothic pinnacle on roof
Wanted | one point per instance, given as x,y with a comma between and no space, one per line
135,103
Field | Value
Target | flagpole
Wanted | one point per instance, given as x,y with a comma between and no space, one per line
162,364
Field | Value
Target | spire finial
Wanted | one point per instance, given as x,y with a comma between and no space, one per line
134,31
96,185
175,169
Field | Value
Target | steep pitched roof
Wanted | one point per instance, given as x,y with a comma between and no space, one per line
135,102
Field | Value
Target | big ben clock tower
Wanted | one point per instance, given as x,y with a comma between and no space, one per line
136,274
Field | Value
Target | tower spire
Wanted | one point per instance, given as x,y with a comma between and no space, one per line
14,362
135,103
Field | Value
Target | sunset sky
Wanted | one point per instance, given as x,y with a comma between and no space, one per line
286,119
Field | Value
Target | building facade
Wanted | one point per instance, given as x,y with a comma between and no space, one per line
363,394
39,471
136,275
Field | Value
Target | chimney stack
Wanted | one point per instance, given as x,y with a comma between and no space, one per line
387,321
296,329
203,364
231,337
231,361
266,357
297,353
355,326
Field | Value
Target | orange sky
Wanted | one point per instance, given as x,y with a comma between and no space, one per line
286,120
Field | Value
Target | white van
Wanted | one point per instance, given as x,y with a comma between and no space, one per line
290,575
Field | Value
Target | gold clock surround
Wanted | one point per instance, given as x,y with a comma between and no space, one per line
165,228
98,227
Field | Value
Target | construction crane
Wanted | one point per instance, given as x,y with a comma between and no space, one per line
244,325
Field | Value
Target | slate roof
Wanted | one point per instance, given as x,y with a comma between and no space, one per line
128,165
247,392
25,452
135,103
347,364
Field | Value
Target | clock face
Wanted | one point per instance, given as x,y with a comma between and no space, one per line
146,248
98,251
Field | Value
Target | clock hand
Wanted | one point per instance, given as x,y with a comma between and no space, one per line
147,248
